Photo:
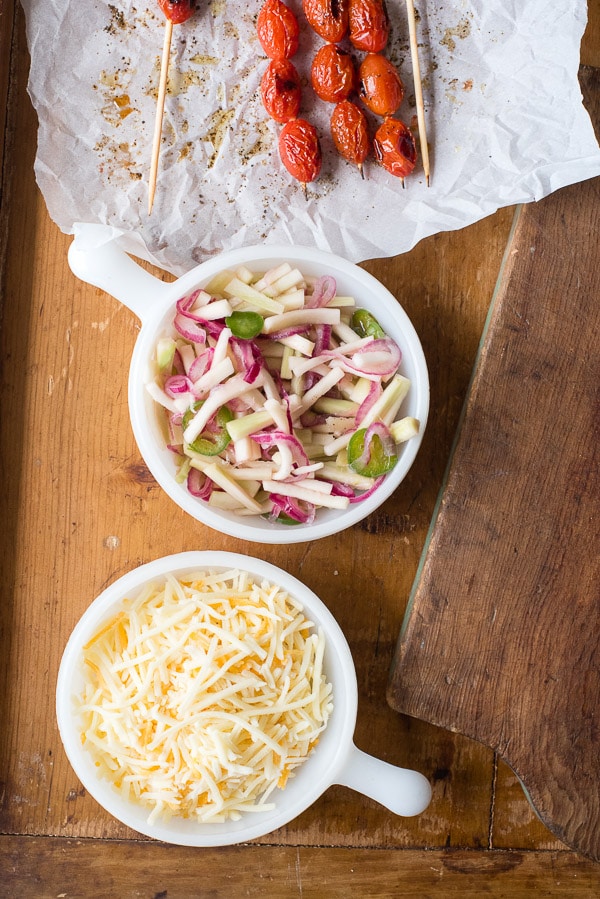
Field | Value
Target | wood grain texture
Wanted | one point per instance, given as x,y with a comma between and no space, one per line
502,638
77,869
81,508
78,508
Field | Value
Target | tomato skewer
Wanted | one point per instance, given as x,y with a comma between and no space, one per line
277,29
176,12
300,150
350,133
395,148
299,147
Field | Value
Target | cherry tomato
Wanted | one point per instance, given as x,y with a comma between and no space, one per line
178,11
332,74
300,150
280,90
395,147
277,29
329,18
380,86
369,24
350,132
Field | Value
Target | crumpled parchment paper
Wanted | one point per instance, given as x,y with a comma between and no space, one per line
505,125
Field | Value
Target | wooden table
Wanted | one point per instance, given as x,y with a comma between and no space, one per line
79,508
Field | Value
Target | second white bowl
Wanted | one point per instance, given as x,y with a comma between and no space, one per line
334,760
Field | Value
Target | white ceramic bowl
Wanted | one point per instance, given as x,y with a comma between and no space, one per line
96,258
335,760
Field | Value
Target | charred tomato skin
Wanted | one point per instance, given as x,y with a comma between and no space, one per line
277,30
332,74
329,18
395,147
368,24
350,132
178,11
380,86
280,90
300,150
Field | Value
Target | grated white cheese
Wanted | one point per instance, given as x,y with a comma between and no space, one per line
204,694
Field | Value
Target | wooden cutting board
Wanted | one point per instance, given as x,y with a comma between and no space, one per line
501,641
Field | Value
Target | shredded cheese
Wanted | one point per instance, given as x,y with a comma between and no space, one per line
204,694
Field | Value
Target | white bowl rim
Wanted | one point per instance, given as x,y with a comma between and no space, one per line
313,777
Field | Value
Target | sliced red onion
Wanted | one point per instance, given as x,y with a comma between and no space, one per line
339,489
252,373
310,419
248,357
304,514
185,304
289,332
270,439
176,385
382,357
323,340
189,329
310,379
214,328
178,366
201,364
174,422
324,291
371,398
359,497
199,484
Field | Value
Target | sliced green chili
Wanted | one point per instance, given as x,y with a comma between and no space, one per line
366,325
245,325
210,443
380,461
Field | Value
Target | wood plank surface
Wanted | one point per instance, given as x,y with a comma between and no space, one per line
502,639
79,508
72,869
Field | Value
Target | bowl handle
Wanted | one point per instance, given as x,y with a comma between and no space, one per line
401,790
96,257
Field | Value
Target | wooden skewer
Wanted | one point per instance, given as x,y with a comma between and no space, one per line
414,52
160,108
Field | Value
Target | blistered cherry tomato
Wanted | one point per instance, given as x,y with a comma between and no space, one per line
379,85
178,11
300,150
329,18
369,24
332,73
350,132
280,90
277,29
395,147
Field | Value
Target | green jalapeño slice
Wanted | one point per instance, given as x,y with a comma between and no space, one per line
366,325
245,325
380,460
210,443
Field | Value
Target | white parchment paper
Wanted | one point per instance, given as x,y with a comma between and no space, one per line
504,112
